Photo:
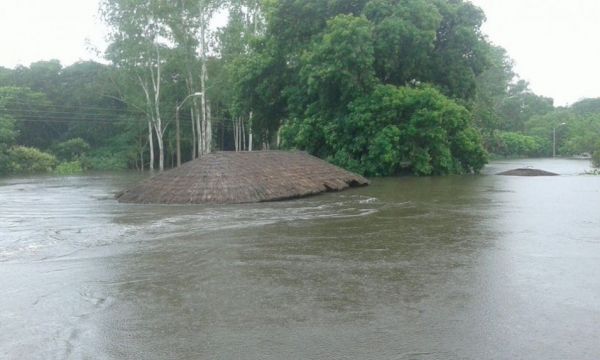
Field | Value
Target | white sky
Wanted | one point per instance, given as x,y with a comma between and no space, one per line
33,30
553,42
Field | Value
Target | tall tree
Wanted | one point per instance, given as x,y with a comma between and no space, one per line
139,45
520,105
319,61
245,23
493,87
29,111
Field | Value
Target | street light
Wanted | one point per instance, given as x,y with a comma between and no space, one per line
554,139
177,134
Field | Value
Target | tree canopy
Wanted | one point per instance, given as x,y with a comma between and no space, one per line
377,86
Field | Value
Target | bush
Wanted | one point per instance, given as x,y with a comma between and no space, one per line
22,159
8,132
596,158
69,168
4,163
105,159
71,149
511,144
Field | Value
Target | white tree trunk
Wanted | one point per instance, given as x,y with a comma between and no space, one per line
151,144
161,154
208,128
243,135
204,122
235,133
193,134
278,137
250,132
153,110
156,80
199,136
150,117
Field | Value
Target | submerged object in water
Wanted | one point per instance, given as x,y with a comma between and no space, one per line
527,172
242,177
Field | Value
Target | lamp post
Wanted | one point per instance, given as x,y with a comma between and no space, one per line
177,132
554,139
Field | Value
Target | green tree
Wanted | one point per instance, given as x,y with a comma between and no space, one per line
22,159
28,109
8,135
586,107
543,127
72,149
492,89
520,105
323,63
396,129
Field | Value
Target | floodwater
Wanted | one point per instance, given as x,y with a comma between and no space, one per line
472,267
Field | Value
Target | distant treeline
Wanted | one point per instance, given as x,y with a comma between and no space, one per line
379,87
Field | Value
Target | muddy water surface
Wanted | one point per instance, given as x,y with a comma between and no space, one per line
473,267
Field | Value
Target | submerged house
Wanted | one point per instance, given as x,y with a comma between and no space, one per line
527,172
242,177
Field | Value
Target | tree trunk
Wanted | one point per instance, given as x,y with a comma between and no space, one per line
156,82
236,133
208,128
203,108
199,136
151,143
243,135
278,138
250,132
161,154
194,153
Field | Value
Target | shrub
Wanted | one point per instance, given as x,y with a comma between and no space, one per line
515,144
71,149
69,168
22,159
106,159
596,158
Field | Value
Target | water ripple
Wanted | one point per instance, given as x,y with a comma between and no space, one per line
53,217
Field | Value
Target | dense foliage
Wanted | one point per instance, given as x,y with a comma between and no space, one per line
22,159
395,129
596,158
350,83
379,87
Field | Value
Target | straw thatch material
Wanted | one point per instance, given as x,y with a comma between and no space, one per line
242,177
527,172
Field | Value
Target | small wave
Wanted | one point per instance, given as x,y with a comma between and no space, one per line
227,218
59,225
370,200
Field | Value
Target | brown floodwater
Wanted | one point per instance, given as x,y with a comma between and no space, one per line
460,267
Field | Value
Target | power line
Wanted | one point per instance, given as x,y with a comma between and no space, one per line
41,114
65,115
226,123
77,107
26,113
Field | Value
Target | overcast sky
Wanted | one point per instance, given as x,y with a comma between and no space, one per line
553,42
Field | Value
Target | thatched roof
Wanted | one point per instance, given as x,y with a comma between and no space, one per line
242,177
527,172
